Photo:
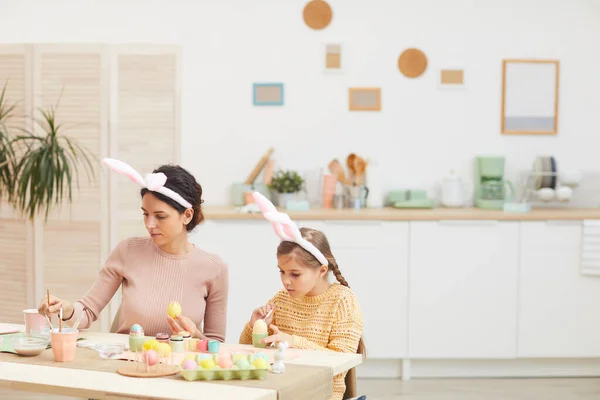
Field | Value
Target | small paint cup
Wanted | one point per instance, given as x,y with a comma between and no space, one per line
213,346
202,345
64,344
136,343
176,343
33,320
256,337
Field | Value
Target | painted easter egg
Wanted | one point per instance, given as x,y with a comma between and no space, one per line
150,344
242,363
190,364
208,363
260,363
163,349
201,357
150,357
174,309
136,330
225,360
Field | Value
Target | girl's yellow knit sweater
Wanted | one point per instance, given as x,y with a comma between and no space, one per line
331,321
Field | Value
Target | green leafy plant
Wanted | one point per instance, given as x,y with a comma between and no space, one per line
7,156
43,165
286,182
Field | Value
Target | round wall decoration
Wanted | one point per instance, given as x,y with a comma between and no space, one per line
412,63
317,14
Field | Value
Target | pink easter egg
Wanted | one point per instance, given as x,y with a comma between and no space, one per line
150,357
190,364
225,360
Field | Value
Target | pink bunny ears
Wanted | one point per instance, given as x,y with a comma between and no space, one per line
285,228
153,182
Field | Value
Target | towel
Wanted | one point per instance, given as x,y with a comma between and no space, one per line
590,248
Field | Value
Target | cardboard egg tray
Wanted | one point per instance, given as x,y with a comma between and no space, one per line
223,374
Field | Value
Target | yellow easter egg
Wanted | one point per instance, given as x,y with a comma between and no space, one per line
260,363
174,309
150,344
207,363
164,349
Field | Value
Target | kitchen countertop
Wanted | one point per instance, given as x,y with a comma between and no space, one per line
392,214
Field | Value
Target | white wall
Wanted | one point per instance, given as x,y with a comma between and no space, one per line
421,132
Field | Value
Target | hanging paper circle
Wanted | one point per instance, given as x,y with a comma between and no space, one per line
317,14
412,63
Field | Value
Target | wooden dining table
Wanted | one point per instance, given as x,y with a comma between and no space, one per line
24,374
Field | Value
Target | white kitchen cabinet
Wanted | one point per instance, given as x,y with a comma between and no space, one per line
463,289
559,308
249,248
373,258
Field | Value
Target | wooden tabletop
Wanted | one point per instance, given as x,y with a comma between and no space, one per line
103,385
393,214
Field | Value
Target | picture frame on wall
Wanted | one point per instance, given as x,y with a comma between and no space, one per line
333,60
530,97
453,78
364,99
267,94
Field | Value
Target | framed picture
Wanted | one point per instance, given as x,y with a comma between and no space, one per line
452,78
530,97
333,58
267,94
364,99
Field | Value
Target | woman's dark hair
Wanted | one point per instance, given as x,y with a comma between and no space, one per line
183,183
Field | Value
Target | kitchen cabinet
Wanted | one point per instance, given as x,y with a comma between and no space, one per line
559,313
373,258
463,289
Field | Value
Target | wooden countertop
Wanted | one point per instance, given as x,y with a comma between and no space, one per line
392,214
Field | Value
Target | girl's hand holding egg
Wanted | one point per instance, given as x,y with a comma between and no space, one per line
261,312
278,336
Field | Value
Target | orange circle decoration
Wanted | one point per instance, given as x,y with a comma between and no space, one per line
412,63
317,14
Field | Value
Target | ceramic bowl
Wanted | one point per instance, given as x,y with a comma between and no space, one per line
29,346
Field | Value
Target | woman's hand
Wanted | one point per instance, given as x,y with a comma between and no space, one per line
278,336
261,312
185,324
54,307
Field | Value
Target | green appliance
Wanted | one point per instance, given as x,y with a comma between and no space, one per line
491,189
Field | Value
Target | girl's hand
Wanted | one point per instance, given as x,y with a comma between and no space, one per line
184,324
278,336
54,307
260,313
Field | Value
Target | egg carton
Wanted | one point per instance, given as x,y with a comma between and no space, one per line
223,374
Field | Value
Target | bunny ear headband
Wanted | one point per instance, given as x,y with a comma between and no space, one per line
285,228
153,182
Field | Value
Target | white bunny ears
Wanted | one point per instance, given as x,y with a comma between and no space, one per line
153,182
285,228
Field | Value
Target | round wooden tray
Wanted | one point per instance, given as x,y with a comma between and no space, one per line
139,371
412,63
317,14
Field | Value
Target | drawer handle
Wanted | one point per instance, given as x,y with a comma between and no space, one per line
477,222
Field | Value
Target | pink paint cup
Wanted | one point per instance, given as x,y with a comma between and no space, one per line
33,320
64,344
202,345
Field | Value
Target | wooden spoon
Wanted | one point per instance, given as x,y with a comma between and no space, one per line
336,168
359,169
350,164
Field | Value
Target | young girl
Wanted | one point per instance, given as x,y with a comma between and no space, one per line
309,313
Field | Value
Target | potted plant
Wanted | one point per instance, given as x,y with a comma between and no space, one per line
39,167
7,157
286,184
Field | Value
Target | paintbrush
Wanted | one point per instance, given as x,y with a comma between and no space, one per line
45,314
78,320
60,317
268,314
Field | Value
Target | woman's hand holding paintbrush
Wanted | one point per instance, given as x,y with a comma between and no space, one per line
52,305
